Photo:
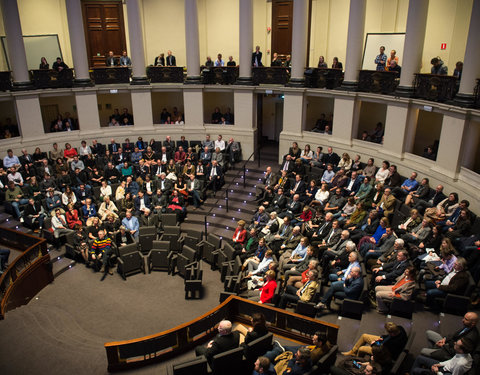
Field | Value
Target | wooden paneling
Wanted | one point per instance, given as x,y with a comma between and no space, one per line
282,17
104,30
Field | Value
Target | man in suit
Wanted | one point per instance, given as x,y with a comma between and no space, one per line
206,156
388,272
233,149
293,208
148,219
171,61
387,203
350,288
433,199
278,203
284,231
26,159
456,281
141,203
385,243
288,165
215,177
224,341
164,184
299,187
111,60
193,188
330,158
305,293
336,250
269,179
259,219
353,184
292,241
257,57
97,148
330,235
35,213
443,347
113,147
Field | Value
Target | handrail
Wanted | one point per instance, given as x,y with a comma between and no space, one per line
158,347
243,168
30,256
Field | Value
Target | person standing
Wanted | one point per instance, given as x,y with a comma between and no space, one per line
381,59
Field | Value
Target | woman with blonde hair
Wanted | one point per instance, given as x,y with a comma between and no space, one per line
345,162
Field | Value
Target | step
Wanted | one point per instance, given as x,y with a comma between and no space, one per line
61,265
4,216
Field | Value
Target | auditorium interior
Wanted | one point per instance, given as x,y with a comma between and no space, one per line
419,113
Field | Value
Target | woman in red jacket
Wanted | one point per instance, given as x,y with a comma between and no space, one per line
268,289
240,235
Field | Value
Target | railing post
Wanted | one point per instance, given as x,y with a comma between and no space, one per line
226,198
206,226
244,177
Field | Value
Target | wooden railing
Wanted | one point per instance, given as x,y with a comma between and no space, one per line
225,75
49,78
275,75
323,78
27,274
378,82
435,87
146,350
165,74
5,81
110,75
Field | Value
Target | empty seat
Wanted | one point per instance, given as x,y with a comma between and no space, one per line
130,260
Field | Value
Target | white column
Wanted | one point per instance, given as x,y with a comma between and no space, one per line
399,137
15,46
193,105
136,43
192,43
471,65
142,107
299,41
77,42
356,27
411,61
29,117
246,41
87,110
346,115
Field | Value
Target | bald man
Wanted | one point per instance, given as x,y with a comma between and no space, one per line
224,341
443,347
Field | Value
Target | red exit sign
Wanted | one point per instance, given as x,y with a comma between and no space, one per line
443,46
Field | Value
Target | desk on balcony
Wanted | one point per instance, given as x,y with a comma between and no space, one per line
378,82
5,81
110,75
323,78
49,78
275,75
165,74
435,87
223,75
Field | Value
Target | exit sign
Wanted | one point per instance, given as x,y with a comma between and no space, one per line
443,46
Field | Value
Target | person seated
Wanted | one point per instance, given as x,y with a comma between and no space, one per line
101,251
385,243
141,203
254,255
59,65
291,241
111,60
72,216
216,116
337,250
209,63
111,225
107,208
292,209
460,363
44,64
240,235
131,223
456,281
378,362
219,62
123,237
80,242
299,364
125,60
305,293
255,269
393,342
403,288
263,366
419,233
258,329
276,61
461,228
215,177
176,204
205,156
35,212
408,186
59,227
224,341
430,153
388,273
350,288
292,257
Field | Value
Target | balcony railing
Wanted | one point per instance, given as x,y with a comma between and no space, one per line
378,82
225,75
322,78
270,75
476,93
435,87
110,75
165,74
49,78
5,81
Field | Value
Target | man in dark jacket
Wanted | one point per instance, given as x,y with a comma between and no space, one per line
224,341
350,288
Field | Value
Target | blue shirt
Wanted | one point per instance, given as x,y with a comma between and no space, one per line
328,176
379,233
300,251
410,184
347,270
10,161
381,60
131,224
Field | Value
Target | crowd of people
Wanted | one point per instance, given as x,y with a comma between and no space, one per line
108,191
313,230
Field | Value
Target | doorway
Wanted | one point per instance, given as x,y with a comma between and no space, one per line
269,117
104,30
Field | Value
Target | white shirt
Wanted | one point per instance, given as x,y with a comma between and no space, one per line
457,365
446,279
220,144
322,196
85,150
382,175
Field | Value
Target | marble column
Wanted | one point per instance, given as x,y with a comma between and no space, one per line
136,43
356,27
87,111
471,65
77,42
246,42
192,42
29,117
15,45
299,42
411,61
